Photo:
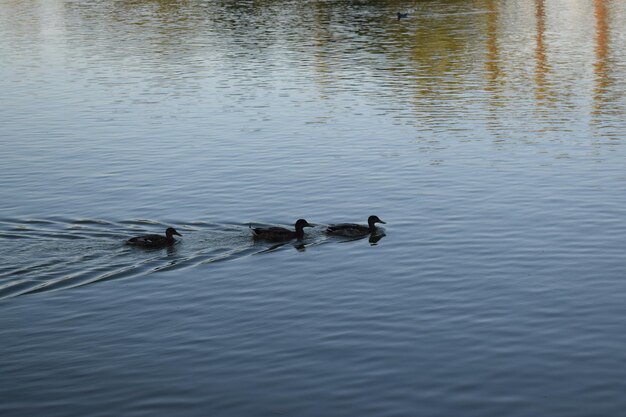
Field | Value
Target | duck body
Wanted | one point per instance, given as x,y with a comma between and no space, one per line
280,234
155,241
353,229
402,15
348,229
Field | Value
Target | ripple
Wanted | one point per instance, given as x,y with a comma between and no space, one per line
51,255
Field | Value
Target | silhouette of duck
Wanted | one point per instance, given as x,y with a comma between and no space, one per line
155,241
402,15
280,234
353,230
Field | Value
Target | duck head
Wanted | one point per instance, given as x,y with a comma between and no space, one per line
170,232
372,220
301,224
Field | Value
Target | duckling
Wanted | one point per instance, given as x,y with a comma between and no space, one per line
155,241
280,234
402,15
354,230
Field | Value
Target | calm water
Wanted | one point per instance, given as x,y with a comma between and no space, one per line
488,134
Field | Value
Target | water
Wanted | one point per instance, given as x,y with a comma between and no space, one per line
488,134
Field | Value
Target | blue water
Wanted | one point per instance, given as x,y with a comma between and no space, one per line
489,135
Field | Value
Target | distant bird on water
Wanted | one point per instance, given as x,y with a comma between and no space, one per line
155,241
354,230
402,15
280,234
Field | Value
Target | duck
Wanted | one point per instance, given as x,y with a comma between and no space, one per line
353,230
280,234
402,15
155,241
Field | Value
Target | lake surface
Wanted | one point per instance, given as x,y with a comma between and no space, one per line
489,135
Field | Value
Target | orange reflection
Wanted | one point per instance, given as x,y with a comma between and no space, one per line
540,52
602,53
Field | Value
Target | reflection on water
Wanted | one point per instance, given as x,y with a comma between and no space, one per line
605,90
489,134
602,39
431,61
542,65
492,69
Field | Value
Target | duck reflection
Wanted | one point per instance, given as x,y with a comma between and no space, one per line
171,251
375,237
299,246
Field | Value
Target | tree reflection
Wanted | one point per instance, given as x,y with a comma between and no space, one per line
445,53
601,65
541,66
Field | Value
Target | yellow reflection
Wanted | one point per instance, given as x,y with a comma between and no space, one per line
492,65
321,38
493,71
540,52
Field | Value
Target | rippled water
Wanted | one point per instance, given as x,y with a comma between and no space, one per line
488,134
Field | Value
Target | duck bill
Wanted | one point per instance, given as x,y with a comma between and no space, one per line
380,221
177,234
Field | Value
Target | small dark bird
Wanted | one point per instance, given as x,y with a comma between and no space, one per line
354,230
280,234
155,241
402,15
